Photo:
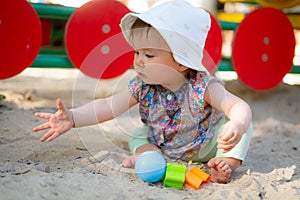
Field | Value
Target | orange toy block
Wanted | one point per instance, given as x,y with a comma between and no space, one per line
195,177
192,180
204,176
186,185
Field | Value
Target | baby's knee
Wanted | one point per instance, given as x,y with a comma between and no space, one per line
138,138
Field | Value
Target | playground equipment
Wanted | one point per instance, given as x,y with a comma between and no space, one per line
94,41
262,56
20,37
41,35
278,4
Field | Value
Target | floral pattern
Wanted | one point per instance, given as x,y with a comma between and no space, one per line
179,122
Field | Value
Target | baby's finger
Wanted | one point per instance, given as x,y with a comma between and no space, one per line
52,137
225,148
231,141
224,142
47,135
60,105
43,115
226,135
42,127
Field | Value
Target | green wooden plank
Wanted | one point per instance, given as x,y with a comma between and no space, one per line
52,61
53,11
228,25
53,50
226,65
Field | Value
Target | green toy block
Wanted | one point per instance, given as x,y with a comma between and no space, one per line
175,175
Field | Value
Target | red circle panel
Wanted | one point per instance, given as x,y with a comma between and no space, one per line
20,37
263,48
96,25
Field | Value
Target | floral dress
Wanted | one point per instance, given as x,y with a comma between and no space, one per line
179,122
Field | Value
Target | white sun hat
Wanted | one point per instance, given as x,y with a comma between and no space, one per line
182,26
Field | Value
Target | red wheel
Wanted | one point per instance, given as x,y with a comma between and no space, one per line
263,48
20,37
95,27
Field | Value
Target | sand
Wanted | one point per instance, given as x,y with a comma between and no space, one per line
85,163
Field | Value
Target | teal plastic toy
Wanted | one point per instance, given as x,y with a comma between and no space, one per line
175,175
150,166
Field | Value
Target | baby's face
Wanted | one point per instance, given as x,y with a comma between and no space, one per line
153,59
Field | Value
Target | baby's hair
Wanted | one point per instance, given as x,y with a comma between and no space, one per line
139,24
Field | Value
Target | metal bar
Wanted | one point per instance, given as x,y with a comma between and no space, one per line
53,11
52,61
226,65
62,61
228,25
53,51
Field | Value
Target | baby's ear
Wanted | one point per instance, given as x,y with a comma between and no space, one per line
182,68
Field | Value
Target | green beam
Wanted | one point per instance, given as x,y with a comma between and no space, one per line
295,69
62,61
53,51
52,61
226,65
53,11
228,25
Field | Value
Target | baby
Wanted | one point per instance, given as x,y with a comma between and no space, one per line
187,113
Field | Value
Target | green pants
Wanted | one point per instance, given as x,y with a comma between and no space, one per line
210,150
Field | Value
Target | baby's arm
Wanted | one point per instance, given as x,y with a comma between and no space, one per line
101,110
237,110
97,111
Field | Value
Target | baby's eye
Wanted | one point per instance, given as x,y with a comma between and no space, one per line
149,56
136,52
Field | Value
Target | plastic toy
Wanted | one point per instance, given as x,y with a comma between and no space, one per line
201,174
150,166
175,175
192,180
195,177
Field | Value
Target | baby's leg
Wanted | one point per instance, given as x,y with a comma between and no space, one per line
224,164
222,168
129,162
138,143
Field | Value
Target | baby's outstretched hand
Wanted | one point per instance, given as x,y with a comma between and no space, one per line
231,135
58,123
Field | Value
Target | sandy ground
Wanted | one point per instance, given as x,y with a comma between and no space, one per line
86,163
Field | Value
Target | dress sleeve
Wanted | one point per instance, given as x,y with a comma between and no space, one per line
200,81
135,87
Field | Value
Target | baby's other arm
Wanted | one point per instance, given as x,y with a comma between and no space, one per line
237,110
